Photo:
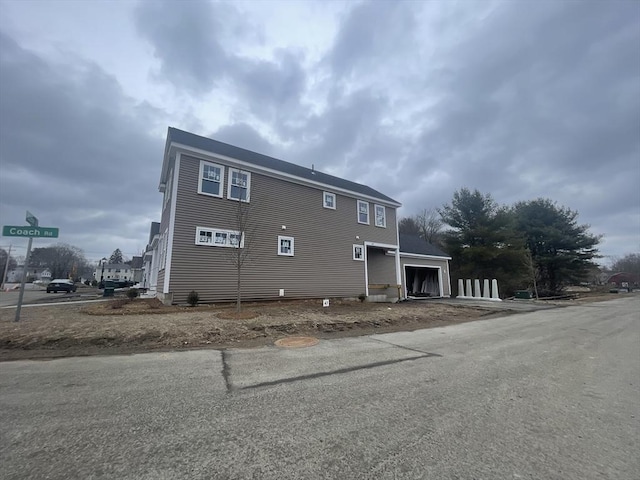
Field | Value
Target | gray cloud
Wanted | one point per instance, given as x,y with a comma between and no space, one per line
76,152
196,42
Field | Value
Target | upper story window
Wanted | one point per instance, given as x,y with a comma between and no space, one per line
211,176
363,212
381,216
239,185
329,200
285,246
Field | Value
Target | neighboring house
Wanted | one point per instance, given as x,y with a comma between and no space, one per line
624,279
113,271
33,274
136,265
310,235
150,259
425,268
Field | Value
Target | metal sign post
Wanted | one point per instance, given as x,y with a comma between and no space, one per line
24,280
31,231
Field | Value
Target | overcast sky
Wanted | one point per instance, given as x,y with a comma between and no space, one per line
519,99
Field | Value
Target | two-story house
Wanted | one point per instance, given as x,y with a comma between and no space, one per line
308,234
113,271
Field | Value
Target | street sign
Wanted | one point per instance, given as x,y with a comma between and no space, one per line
29,231
31,219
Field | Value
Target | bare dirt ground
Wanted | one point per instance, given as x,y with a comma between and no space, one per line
120,326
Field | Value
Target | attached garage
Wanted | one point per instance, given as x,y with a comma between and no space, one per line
424,269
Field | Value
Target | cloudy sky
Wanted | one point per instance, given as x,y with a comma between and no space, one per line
520,99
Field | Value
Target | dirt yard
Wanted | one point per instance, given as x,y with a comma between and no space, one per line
143,325
120,326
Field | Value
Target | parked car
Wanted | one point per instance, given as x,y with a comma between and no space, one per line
61,285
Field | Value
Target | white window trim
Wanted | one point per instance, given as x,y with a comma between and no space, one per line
167,190
215,231
384,216
201,178
230,176
361,248
362,202
324,200
280,239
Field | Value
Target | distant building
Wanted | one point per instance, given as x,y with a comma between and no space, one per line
630,279
113,271
33,274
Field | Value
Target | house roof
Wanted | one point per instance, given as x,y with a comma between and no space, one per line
416,245
117,266
155,230
213,146
136,262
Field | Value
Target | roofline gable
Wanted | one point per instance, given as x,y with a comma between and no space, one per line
170,143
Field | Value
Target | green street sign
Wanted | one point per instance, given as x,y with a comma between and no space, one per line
28,231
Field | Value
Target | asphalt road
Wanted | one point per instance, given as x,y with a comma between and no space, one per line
553,394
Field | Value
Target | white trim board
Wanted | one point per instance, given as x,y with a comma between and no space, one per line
172,224
419,255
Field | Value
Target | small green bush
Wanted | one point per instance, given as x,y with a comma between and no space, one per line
193,298
94,283
133,293
362,297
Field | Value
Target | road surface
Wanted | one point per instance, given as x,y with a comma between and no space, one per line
553,394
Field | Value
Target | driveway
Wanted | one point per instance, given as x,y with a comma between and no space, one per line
552,394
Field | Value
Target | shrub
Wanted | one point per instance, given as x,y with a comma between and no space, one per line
362,297
193,298
87,283
133,293
94,283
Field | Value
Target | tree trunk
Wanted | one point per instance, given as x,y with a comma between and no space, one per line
238,300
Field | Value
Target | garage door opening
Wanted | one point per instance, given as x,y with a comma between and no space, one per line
422,282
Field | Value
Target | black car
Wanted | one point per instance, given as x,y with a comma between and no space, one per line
56,286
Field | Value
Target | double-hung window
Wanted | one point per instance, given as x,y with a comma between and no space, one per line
239,185
211,176
363,212
329,200
285,246
381,216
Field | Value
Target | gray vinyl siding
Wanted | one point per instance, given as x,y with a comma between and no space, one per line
428,262
381,268
322,265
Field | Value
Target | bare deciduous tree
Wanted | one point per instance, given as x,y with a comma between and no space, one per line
429,225
241,242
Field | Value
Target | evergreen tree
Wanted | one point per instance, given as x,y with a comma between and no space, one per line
561,249
482,241
116,257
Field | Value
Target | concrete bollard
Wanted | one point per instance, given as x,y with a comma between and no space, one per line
461,289
485,289
467,291
494,290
